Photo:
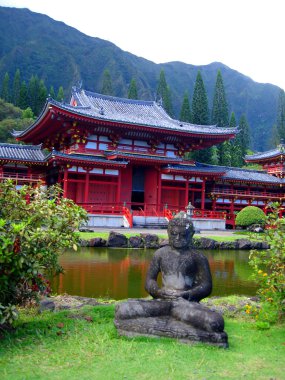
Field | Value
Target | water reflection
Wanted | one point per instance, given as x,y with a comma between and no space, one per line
120,273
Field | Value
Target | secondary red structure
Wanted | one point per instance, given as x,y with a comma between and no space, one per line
122,156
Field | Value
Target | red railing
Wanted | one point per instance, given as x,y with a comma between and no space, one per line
247,193
209,214
145,210
128,215
17,177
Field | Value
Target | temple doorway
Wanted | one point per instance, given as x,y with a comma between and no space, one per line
138,188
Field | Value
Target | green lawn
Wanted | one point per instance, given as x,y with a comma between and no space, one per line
104,235
67,345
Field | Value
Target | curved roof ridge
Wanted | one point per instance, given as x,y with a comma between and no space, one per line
115,98
201,164
22,146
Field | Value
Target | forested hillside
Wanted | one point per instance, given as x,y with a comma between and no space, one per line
62,56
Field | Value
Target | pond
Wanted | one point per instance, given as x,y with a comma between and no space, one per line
120,273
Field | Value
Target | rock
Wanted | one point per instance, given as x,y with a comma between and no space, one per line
150,241
243,244
47,304
228,245
136,242
205,243
84,243
97,242
117,240
255,228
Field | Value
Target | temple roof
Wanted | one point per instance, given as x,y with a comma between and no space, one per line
280,150
136,112
17,152
244,175
192,168
85,158
133,112
140,156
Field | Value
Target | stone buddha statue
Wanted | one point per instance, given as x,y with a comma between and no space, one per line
175,310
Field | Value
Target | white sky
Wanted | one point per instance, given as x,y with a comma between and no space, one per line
246,35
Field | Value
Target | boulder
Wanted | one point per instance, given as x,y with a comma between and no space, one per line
150,241
118,240
205,243
244,244
136,242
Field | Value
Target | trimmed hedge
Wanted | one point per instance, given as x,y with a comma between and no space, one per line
250,215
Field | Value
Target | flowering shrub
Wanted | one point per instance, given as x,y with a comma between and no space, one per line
35,227
269,272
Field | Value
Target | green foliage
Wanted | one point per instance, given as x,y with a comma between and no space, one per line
185,113
250,215
107,88
12,118
269,272
27,113
36,225
133,92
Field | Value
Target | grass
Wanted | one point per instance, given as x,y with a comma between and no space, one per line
105,235
83,344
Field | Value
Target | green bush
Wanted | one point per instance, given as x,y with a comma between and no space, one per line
269,271
36,225
250,215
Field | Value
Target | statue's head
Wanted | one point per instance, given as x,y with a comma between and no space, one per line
180,231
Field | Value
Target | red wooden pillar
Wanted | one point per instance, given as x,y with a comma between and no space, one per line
29,172
86,187
203,195
187,191
1,171
119,183
158,206
65,182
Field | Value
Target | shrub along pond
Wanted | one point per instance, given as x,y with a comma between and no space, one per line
119,273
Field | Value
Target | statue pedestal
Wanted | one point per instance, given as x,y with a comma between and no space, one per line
163,326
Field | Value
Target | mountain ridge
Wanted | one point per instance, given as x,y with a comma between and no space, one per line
62,55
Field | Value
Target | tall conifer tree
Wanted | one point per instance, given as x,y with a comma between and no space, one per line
107,88
220,113
185,113
163,93
280,122
133,92
200,115
52,92
33,93
5,91
16,88
42,96
220,117
200,109
60,94
23,100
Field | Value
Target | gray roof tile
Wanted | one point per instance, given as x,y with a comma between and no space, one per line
30,153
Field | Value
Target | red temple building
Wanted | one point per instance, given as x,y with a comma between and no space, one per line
124,158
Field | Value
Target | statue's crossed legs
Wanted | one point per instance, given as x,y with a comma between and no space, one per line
191,313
